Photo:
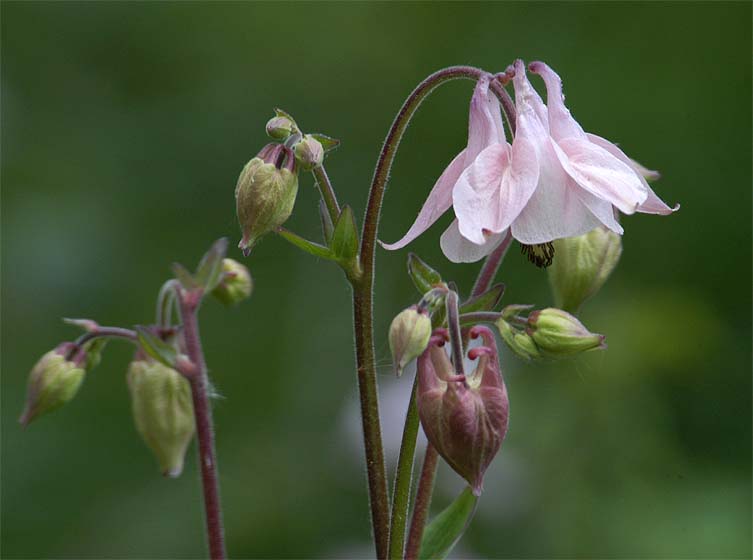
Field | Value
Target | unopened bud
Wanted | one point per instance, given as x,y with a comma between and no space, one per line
409,335
280,127
518,341
309,152
557,333
265,193
162,411
53,381
236,283
464,417
581,266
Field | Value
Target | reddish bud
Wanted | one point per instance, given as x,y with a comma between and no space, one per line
464,417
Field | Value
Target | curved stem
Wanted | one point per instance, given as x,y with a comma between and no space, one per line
363,301
403,477
423,501
327,192
204,429
491,266
453,327
165,302
106,332
479,317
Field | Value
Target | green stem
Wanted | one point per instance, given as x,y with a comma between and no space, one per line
363,302
327,192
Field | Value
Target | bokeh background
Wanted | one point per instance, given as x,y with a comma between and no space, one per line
124,127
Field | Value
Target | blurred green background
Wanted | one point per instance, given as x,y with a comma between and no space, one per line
124,128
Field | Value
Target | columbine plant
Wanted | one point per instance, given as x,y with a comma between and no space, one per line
551,187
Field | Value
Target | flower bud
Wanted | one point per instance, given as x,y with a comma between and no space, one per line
162,411
309,152
236,283
280,127
581,266
53,381
557,333
464,417
409,335
519,342
265,193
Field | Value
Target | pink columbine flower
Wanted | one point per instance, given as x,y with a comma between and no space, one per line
554,181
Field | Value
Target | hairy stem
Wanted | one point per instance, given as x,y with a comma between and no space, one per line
491,266
327,192
423,501
363,302
204,429
479,317
106,332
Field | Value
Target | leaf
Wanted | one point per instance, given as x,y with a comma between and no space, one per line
327,142
345,237
156,347
306,245
327,226
484,302
424,277
209,272
446,528
186,279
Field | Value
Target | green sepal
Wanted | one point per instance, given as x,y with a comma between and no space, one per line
209,272
424,277
446,528
327,142
306,245
280,113
93,350
484,302
344,243
156,347
186,279
327,226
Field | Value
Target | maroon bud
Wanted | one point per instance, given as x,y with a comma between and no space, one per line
464,417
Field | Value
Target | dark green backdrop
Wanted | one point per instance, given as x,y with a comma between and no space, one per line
124,127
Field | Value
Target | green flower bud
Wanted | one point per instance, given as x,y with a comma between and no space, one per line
280,127
163,412
581,266
556,333
409,336
309,152
53,381
236,283
518,341
265,193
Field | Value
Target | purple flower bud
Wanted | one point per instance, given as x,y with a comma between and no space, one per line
464,417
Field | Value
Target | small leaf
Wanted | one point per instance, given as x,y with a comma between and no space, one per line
327,142
156,347
345,237
306,245
446,528
424,277
209,272
327,226
186,279
484,302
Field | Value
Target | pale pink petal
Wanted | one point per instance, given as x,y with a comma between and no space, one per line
527,99
484,120
459,250
653,204
561,122
602,209
438,202
601,173
555,210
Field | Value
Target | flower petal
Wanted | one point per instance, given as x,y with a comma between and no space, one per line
484,121
555,210
459,250
601,173
561,122
602,209
438,202
653,204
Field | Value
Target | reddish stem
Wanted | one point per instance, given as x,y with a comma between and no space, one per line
423,500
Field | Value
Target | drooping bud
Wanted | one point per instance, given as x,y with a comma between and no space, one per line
162,411
464,417
556,333
581,266
265,193
280,127
236,283
309,152
53,381
409,335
